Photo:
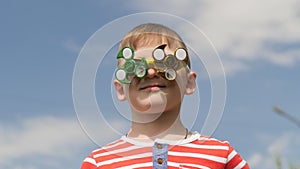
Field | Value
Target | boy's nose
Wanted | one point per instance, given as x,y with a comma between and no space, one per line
151,72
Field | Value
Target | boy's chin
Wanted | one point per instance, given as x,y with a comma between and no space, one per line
155,103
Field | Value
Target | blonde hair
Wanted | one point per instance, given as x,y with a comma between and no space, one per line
150,34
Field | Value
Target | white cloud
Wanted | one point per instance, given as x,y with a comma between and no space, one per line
242,31
279,147
255,159
44,138
287,59
39,136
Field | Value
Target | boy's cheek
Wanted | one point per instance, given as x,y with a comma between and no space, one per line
181,78
126,91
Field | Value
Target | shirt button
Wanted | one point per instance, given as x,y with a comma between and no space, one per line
160,160
159,146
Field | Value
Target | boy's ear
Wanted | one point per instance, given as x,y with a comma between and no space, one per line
120,90
191,83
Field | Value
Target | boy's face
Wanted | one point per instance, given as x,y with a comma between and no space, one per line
154,93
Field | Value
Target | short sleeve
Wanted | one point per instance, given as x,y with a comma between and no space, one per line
89,163
235,161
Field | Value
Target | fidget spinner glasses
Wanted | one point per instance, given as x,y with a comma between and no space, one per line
165,65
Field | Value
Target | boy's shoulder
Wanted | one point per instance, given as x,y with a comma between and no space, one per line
110,146
212,140
205,143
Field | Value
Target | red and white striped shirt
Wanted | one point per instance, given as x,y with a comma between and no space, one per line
191,153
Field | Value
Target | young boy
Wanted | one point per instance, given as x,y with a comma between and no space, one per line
153,75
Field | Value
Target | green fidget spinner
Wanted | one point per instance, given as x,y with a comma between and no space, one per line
166,65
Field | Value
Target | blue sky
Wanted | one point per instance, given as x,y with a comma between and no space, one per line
258,43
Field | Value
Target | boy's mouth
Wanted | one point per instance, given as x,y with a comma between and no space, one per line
152,87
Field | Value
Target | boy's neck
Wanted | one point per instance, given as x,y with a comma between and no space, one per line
167,126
